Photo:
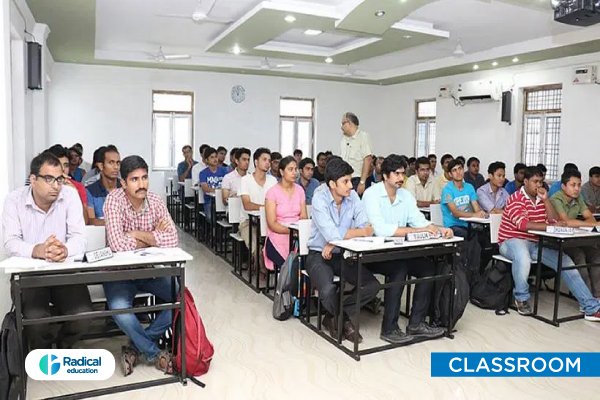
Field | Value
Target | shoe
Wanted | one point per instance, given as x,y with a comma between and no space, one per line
329,323
523,307
164,362
395,336
424,330
595,317
129,358
350,332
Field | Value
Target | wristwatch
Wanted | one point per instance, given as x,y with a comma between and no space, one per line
361,182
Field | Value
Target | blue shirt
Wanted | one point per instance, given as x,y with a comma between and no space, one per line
511,187
182,166
489,200
329,224
213,180
386,217
554,188
309,189
96,196
462,200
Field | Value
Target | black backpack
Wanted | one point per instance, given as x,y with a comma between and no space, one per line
10,380
492,289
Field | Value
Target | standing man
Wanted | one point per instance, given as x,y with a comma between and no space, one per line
45,220
422,186
591,190
355,149
306,180
393,212
492,196
184,168
232,181
137,218
472,175
319,171
109,165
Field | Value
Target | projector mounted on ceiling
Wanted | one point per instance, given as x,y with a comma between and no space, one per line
577,12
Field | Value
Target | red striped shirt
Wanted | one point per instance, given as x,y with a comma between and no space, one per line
520,210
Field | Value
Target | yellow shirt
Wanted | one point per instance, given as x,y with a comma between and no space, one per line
354,149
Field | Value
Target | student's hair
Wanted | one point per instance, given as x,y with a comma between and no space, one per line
461,160
276,156
422,161
391,163
76,150
350,116
567,175
453,163
446,157
337,168
532,171
305,161
241,150
412,160
208,152
432,156
111,148
594,171
298,151
495,166
130,164
328,153
285,161
259,152
98,156
221,148
79,146
43,158
233,151
570,167
321,154
519,166
542,168
472,159
202,147
59,151
187,146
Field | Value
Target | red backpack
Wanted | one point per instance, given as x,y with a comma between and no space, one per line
198,349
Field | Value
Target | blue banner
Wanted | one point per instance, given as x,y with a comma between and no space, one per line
515,364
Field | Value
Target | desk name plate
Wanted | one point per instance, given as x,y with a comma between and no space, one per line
416,236
97,255
562,230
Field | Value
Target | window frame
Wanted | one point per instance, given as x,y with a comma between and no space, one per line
428,121
297,119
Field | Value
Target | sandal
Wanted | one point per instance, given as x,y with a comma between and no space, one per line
129,357
164,362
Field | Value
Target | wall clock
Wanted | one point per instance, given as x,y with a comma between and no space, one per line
238,93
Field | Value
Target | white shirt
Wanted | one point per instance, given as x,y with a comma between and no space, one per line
196,169
232,182
429,192
249,187
354,149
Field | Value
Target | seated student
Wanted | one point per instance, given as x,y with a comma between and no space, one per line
459,200
556,186
274,170
211,178
298,156
94,173
221,154
412,167
492,196
75,161
461,160
284,203
109,166
444,176
319,171
137,218
569,204
393,212
45,220
591,190
253,188
375,176
62,153
232,181
184,168
543,169
305,178
337,213
232,163
519,171
472,174
531,209
422,186
200,165
432,164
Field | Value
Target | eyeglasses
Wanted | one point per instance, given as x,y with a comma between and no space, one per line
344,122
49,179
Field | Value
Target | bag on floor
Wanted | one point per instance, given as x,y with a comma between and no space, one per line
492,289
287,286
10,380
198,349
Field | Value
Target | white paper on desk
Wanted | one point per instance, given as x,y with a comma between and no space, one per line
370,239
150,251
29,263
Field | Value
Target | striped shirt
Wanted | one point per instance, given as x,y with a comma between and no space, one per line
121,218
24,224
520,210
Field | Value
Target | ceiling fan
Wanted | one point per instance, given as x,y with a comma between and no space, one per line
350,72
200,13
160,56
265,64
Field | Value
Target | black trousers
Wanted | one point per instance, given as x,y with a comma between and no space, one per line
71,299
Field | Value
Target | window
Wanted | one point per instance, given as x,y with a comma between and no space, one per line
541,127
172,127
425,127
296,126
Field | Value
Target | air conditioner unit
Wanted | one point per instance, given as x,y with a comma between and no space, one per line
585,74
478,91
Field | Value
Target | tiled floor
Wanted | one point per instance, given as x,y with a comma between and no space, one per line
257,357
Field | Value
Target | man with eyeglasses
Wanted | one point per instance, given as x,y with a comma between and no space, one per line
355,149
45,221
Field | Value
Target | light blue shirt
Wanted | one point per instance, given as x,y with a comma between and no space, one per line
462,200
555,187
309,190
386,217
329,223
